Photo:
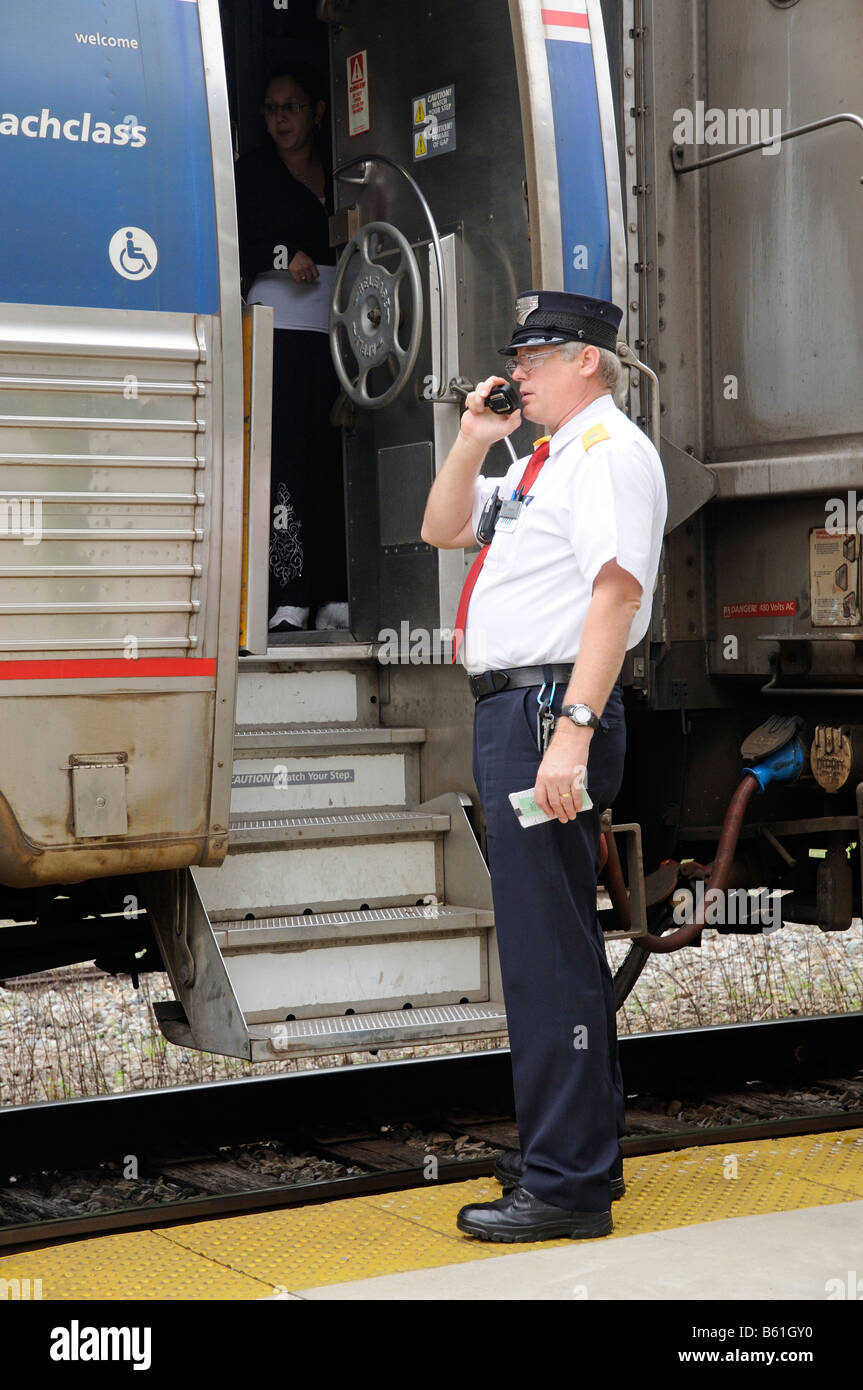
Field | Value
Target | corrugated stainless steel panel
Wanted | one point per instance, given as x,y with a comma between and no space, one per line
92,571
63,516
786,280
105,385
120,519
97,334
91,422
116,496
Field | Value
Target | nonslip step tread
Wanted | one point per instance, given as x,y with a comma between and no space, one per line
391,1026
234,937
303,736
308,827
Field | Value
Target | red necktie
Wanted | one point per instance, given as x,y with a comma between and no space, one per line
537,459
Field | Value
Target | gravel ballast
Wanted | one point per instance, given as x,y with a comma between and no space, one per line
80,1033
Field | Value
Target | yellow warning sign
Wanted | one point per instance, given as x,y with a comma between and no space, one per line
433,117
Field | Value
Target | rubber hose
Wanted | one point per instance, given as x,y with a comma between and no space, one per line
719,874
615,884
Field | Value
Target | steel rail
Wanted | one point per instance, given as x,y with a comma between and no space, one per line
268,1198
86,1131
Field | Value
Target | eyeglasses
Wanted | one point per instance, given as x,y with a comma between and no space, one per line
285,108
528,363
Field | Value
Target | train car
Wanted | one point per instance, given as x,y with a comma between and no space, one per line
475,154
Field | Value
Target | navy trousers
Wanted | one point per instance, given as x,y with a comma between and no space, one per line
557,985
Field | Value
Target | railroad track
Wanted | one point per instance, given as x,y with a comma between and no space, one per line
316,1136
61,978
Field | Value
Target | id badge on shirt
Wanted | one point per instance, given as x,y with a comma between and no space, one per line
509,515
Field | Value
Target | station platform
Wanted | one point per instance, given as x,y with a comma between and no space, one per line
774,1219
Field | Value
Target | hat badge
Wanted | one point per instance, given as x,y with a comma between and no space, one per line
524,307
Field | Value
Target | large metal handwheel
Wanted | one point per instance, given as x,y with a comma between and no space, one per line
368,325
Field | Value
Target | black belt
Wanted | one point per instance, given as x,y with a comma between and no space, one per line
492,682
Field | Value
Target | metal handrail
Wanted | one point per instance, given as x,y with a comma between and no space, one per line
365,160
677,152
629,359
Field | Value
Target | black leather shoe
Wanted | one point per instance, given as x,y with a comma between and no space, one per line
509,1169
518,1215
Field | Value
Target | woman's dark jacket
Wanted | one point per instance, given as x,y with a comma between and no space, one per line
274,209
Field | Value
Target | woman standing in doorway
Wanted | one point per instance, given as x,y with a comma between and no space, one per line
283,198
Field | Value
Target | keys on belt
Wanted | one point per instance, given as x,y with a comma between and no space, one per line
545,720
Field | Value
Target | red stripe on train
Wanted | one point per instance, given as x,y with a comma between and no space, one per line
575,21
100,668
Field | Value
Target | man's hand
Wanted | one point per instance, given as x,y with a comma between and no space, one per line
447,520
482,425
562,771
303,269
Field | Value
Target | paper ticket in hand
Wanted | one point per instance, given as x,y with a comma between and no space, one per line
528,812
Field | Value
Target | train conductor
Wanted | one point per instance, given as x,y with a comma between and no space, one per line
561,589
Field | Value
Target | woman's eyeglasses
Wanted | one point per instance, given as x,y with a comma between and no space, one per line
284,108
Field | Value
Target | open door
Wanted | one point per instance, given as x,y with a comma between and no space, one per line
427,139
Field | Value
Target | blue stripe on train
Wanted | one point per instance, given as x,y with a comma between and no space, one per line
580,168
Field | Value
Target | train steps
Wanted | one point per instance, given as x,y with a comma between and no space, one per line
349,914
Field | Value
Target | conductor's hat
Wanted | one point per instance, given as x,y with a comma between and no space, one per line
552,316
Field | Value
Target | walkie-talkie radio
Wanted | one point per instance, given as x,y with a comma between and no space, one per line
488,520
503,400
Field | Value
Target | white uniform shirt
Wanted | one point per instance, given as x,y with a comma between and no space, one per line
599,496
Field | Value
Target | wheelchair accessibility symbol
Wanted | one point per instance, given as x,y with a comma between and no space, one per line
133,253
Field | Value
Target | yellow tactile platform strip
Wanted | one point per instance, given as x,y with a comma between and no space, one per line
248,1257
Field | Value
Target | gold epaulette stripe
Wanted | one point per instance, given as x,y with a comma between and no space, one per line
594,436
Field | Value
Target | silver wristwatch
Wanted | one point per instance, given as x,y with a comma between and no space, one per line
581,715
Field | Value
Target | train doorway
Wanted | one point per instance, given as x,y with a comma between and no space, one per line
449,219
427,253
277,63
